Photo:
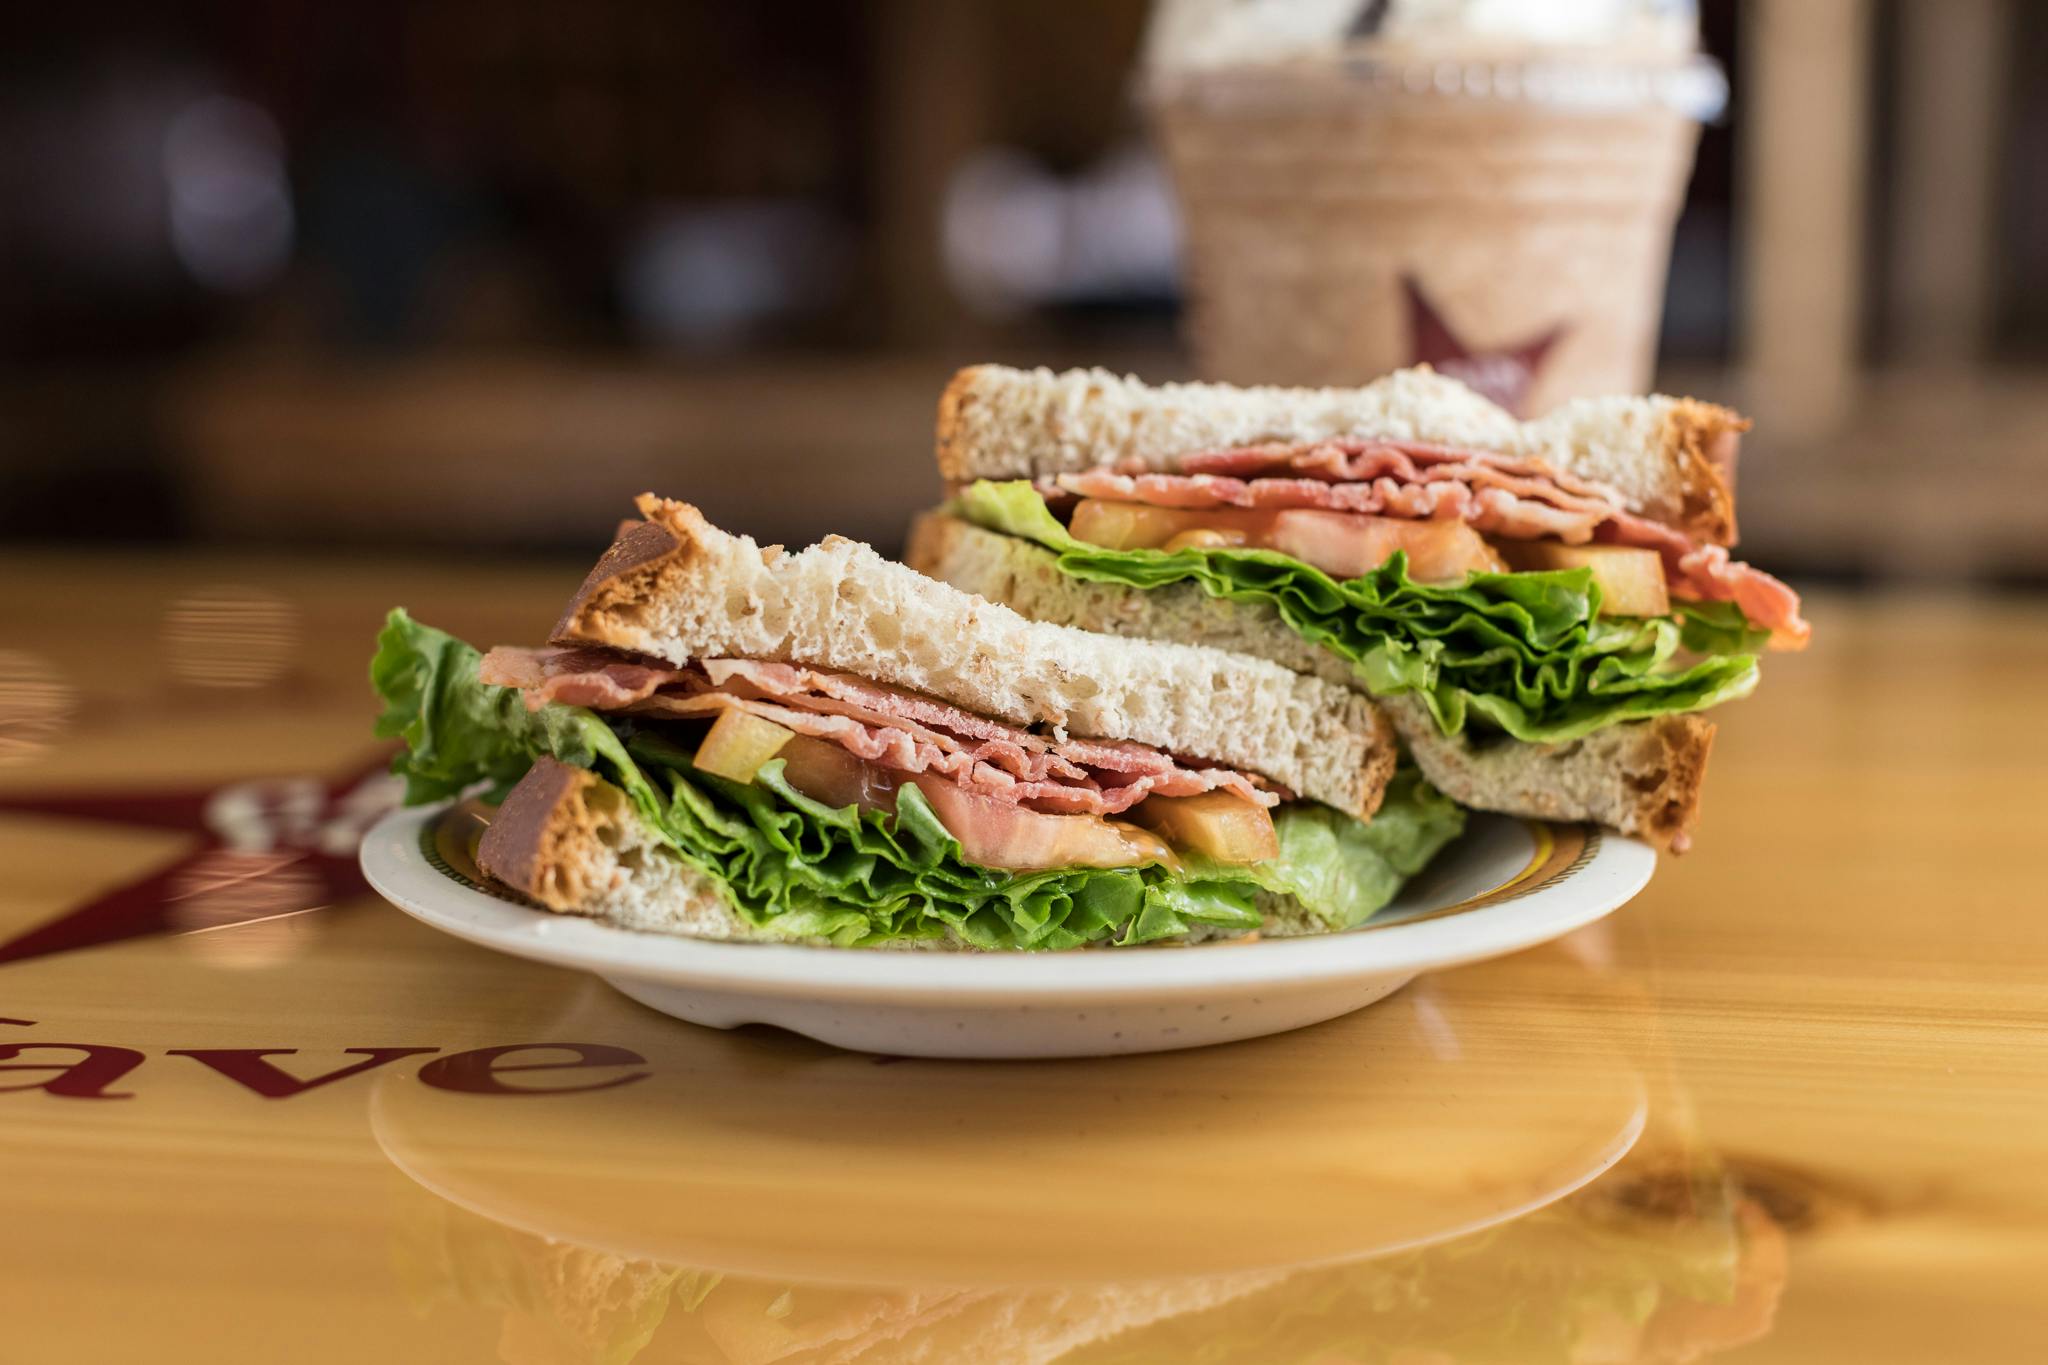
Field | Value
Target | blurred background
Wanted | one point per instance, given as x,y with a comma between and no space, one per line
458,276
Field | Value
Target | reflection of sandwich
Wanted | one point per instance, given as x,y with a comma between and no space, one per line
733,742
565,1304
1647,1267
1545,608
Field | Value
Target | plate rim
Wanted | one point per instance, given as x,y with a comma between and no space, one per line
398,870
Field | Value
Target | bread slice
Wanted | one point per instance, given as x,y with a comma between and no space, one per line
568,840
1671,459
571,842
676,588
1025,576
1640,777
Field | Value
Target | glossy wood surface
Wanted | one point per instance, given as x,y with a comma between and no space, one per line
1806,1073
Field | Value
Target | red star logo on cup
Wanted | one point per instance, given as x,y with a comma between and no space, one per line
1503,373
265,849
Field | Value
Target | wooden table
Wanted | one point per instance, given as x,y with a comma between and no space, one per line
1800,1087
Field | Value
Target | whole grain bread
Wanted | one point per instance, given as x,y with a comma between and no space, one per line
1640,777
1671,459
677,588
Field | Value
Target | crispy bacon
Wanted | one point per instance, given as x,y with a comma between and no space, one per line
897,729
1514,497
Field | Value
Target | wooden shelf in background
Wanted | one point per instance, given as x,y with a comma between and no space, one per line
551,451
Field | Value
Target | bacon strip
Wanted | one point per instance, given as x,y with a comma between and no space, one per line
896,729
1516,497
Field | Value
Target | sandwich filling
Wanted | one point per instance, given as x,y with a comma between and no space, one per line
828,806
885,726
1511,498
1495,587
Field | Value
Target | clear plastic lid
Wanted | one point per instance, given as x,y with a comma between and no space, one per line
1593,54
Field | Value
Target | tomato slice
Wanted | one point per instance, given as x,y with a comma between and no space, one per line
739,743
1221,824
997,833
826,772
992,832
1341,544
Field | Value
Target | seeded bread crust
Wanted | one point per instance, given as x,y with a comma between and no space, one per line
1640,777
1671,459
676,588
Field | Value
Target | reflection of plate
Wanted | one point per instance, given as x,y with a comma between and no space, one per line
1504,886
767,1156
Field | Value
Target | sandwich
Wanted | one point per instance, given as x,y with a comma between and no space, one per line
559,1300
1653,1265
1544,609
1657,1264
733,742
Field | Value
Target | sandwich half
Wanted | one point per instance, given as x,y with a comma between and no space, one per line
1544,608
729,741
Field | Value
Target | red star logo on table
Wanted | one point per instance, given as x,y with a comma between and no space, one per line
265,848
1503,373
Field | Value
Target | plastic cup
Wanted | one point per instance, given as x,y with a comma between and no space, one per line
1508,223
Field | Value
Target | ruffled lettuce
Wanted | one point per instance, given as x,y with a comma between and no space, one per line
1527,653
459,732
801,869
1720,628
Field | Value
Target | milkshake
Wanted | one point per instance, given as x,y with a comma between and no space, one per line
1485,187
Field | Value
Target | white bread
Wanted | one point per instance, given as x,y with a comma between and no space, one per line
1672,459
1641,777
676,588
571,842
1025,576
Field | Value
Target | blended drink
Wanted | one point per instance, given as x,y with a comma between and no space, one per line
1506,219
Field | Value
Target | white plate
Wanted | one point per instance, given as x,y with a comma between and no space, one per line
1505,885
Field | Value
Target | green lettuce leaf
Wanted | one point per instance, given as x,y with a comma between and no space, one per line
795,866
802,869
459,732
1720,628
1527,653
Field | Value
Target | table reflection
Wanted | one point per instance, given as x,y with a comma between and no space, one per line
1446,1177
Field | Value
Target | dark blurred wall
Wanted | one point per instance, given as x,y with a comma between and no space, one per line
248,250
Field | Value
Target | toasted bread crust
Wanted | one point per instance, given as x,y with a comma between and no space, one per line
611,583
1670,459
1669,810
1703,440
571,842
953,401
536,841
1642,777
